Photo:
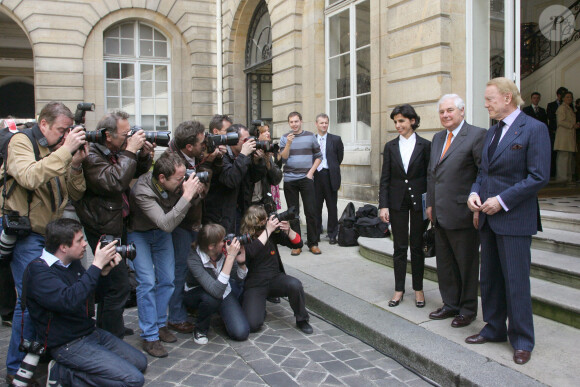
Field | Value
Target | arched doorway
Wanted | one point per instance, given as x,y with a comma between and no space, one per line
16,71
258,66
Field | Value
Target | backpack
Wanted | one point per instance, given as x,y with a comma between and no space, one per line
347,233
368,224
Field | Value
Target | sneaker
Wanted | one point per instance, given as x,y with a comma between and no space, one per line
304,326
154,348
199,337
166,336
51,380
182,327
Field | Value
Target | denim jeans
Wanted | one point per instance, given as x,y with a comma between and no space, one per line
229,309
26,250
99,359
155,270
182,240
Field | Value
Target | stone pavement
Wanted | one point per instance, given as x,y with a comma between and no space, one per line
277,355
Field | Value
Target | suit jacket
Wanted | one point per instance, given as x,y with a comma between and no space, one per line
395,182
519,168
551,113
334,156
449,180
542,116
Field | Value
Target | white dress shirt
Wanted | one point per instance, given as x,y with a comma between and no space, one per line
406,146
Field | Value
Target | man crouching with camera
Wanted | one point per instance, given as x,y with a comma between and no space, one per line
113,161
58,289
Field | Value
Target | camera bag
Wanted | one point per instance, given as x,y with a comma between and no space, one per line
368,224
347,233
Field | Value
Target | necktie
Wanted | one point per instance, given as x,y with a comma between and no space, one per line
323,150
536,110
449,137
495,141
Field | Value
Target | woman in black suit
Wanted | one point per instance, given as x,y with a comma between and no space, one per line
403,181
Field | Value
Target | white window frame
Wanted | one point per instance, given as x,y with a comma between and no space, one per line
351,143
137,61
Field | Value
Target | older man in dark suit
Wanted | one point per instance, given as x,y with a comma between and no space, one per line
515,165
534,110
455,159
327,176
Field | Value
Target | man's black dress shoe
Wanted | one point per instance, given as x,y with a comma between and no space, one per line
476,339
462,321
442,314
304,326
273,300
521,356
332,241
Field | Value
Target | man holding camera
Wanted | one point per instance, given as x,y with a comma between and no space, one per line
159,202
84,354
42,169
220,123
111,165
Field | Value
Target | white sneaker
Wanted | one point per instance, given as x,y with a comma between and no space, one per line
199,337
51,382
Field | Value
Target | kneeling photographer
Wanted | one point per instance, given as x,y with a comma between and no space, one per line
266,276
83,354
208,282
116,157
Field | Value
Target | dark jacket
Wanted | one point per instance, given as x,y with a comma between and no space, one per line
541,116
395,182
551,115
334,156
101,208
267,177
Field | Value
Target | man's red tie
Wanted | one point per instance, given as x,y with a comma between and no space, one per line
449,137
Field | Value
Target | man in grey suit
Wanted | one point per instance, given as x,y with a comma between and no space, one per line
455,158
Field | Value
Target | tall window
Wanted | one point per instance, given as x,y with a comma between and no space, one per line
348,87
137,72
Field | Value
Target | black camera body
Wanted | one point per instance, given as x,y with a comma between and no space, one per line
203,176
212,141
290,214
128,251
266,146
244,239
16,225
31,347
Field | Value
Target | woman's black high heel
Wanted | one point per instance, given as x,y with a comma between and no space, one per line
393,303
420,304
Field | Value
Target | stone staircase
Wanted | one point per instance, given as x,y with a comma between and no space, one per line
555,268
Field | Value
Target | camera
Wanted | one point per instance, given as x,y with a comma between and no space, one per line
266,146
160,138
82,108
244,239
13,226
203,176
212,141
98,136
25,373
125,251
290,214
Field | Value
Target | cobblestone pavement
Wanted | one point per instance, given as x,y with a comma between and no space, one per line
277,355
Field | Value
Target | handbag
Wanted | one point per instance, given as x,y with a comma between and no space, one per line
429,242
347,233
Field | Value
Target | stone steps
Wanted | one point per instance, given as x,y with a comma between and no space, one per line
555,279
561,220
557,241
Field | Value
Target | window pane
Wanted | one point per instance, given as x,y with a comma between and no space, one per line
162,123
161,49
161,73
128,105
146,48
128,30
339,75
147,105
113,70
112,32
127,47
161,89
112,88
363,70
340,119
112,103
128,88
147,122
363,24
146,72
363,125
111,46
266,109
127,70
145,32
159,36
146,89
161,106
339,33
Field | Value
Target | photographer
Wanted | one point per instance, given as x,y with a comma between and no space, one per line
42,169
109,169
208,281
220,123
221,203
266,276
188,144
159,202
85,355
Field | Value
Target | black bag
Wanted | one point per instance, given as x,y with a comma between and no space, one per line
367,211
347,233
429,242
372,228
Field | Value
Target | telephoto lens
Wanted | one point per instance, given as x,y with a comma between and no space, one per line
288,215
244,239
98,136
28,366
7,243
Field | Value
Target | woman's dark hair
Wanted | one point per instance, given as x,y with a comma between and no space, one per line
209,234
253,221
61,232
407,111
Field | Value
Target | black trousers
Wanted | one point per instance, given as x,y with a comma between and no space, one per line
7,291
254,304
110,308
324,193
402,238
305,188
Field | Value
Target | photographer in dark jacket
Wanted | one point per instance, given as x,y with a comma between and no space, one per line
109,169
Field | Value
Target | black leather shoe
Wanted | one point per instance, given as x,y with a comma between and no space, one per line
521,356
461,321
332,241
393,303
478,339
419,304
304,326
129,331
442,314
273,300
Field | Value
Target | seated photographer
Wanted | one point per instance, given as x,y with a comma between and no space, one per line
266,276
208,283
84,354
159,202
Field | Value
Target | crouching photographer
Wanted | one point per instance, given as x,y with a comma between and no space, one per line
266,276
115,159
83,354
208,282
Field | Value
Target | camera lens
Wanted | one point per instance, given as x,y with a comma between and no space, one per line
160,138
203,177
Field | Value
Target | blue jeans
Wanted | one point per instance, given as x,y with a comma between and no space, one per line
99,359
155,270
182,240
229,309
26,250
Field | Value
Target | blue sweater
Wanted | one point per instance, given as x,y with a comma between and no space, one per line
63,292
